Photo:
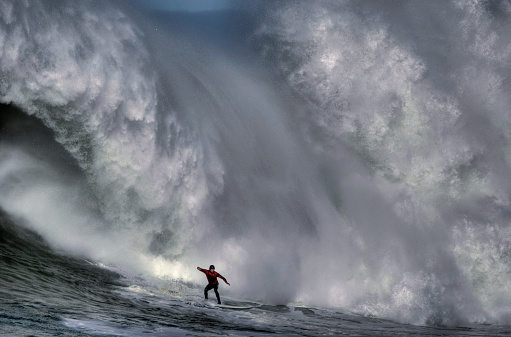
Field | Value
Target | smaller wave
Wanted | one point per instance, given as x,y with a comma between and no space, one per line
34,275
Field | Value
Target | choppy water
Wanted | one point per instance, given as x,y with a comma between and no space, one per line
44,293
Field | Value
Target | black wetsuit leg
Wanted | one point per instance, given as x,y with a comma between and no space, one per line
206,291
217,294
215,288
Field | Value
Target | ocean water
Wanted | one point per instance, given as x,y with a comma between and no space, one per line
344,164
47,293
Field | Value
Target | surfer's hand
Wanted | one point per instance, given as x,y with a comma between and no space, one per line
198,268
228,283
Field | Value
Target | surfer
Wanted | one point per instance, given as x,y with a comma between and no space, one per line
212,275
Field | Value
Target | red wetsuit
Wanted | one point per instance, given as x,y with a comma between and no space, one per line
212,276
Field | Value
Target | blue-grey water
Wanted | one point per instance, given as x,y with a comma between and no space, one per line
344,164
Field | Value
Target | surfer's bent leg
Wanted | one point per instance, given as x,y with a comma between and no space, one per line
208,288
217,294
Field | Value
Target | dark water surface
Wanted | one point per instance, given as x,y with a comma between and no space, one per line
44,293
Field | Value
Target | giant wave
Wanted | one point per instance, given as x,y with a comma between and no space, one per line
363,163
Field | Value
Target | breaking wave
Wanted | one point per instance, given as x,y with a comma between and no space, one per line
370,173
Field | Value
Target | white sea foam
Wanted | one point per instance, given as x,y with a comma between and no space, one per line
419,92
83,70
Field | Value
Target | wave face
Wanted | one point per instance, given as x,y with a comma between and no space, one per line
371,174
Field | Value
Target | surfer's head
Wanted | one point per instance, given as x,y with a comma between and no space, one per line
211,267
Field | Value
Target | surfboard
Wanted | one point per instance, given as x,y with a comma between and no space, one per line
233,307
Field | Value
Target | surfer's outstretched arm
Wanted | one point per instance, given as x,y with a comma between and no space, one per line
202,270
223,278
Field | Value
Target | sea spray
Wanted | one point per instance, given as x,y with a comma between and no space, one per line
418,92
83,70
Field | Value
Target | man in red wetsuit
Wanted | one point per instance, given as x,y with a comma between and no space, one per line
211,274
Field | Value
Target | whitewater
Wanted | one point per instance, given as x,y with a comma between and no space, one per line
344,164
